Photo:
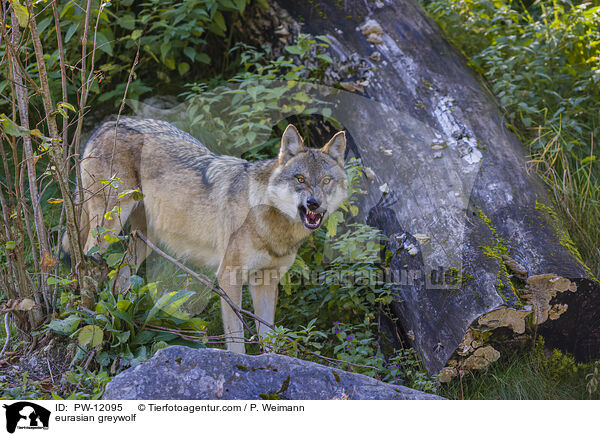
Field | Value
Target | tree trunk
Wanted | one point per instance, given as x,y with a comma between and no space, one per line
476,244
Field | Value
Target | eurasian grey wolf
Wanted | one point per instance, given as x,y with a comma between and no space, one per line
246,220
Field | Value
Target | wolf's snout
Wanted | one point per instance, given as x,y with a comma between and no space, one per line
312,203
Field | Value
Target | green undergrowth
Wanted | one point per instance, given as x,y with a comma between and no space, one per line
529,374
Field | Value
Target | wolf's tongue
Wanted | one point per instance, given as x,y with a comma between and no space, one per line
313,216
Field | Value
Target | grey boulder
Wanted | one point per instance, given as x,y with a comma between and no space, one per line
182,373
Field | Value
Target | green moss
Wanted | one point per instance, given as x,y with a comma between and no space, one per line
504,285
277,395
336,376
563,237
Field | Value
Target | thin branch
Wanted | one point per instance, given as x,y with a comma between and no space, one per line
55,155
7,329
205,281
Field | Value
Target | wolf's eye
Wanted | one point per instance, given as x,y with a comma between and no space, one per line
326,180
300,179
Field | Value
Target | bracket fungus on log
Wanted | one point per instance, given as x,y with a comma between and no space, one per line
452,171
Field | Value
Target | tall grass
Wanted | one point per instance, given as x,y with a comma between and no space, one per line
529,374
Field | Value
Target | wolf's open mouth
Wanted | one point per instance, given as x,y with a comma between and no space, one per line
311,220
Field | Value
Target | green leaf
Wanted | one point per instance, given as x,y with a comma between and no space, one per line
219,20
123,305
169,303
158,346
114,259
65,326
196,324
43,25
123,316
64,104
111,239
136,34
115,210
21,12
136,195
203,58
170,63
9,127
183,68
10,245
90,335
190,52
93,251
104,43
123,337
71,31
331,225
295,50
127,21
144,337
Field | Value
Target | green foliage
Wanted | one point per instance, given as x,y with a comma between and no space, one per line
542,60
527,374
25,390
235,116
128,328
337,274
172,36
82,385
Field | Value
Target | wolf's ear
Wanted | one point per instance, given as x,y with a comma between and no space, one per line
336,147
291,144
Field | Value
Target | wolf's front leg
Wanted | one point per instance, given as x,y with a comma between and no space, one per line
232,324
264,299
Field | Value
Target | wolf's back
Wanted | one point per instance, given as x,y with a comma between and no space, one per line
155,130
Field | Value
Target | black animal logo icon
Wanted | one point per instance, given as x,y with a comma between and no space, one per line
26,414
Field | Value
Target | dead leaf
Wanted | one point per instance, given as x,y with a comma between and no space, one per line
47,261
25,305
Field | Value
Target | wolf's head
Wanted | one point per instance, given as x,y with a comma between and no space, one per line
308,183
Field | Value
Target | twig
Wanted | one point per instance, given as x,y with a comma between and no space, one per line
50,370
7,329
87,363
205,281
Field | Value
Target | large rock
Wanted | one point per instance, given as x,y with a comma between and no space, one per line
182,373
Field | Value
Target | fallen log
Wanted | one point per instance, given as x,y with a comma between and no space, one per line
476,245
